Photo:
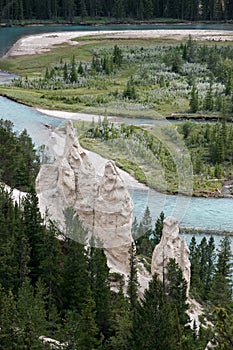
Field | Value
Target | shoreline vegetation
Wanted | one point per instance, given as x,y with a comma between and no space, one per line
195,232
58,47
89,21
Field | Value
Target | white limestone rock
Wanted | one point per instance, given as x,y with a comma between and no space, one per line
171,247
68,179
17,195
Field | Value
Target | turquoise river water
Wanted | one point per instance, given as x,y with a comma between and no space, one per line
200,213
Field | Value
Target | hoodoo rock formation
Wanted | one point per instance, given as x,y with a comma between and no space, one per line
67,179
171,247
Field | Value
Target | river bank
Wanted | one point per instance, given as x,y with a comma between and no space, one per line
39,43
227,184
202,213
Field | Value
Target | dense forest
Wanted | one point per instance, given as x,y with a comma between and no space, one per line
57,293
54,10
19,163
57,289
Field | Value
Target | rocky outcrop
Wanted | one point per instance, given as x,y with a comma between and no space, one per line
171,247
68,179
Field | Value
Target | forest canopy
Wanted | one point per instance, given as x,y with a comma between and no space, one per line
53,10
19,163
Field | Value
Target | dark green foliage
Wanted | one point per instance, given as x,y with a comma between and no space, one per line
130,91
50,267
193,103
132,289
10,225
65,73
158,228
23,321
202,258
75,282
73,73
192,10
176,289
146,238
34,230
18,161
121,322
155,322
80,69
61,289
8,321
214,144
208,103
99,285
31,311
117,56
223,329
80,329
174,60
221,291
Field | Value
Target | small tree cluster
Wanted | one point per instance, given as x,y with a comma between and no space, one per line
19,163
146,237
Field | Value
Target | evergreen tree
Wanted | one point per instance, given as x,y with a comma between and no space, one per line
194,258
202,259
193,103
132,289
80,69
8,321
51,265
229,84
210,267
130,91
176,288
145,241
209,99
117,56
148,9
87,329
107,65
34,230
47,74
100,288
221,292
83,10
31,315
9,251
158,229
73,73
75,276
65,73
80,329
223,329
155,323
75,281
121,321
29,167
147,222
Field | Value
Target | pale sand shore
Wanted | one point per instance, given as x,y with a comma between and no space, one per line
72,116
36,44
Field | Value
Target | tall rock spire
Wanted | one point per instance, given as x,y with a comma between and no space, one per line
171,247
68,179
